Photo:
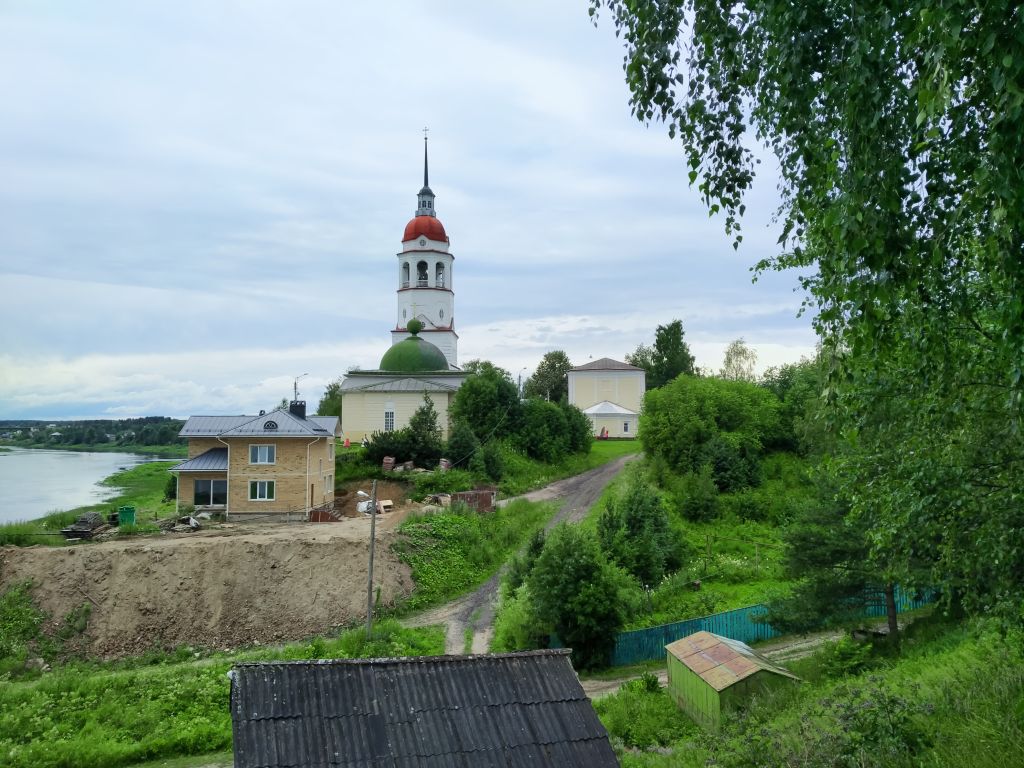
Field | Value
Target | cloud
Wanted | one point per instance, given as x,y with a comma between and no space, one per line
200,201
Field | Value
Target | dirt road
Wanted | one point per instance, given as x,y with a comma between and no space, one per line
475,612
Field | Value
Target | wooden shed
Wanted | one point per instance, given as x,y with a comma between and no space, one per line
709,675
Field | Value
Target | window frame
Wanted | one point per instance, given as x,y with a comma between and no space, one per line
389,421
269,488
271,453
209,481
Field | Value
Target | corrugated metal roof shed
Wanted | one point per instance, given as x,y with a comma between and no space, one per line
606,364
721,661
213,460
522,709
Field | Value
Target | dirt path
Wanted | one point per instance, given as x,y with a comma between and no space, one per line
475,612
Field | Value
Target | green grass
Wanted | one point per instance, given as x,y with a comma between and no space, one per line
642,714
142,487
452,552
523,474
953,696
102,715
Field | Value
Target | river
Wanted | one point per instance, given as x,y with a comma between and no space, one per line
36,481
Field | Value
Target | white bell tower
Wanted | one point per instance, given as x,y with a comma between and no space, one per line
425,286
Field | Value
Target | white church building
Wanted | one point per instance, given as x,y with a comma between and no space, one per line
423,358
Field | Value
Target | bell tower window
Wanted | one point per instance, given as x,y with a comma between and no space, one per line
421,275
439,275
405,274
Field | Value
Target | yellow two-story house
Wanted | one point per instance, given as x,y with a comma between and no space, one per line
277,463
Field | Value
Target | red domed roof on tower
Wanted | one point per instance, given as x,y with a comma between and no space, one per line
425,226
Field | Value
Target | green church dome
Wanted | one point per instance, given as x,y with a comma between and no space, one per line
413,354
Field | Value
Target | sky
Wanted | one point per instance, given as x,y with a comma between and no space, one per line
201,200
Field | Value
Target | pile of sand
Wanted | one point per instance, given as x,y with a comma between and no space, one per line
219,588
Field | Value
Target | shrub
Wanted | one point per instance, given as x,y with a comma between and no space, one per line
641,714
580,430
427,483
489,463
634,531
695,494
462,445
545,432
579,594
516,626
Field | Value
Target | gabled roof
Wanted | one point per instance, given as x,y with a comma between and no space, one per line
288,425
606,364
213,460
722,661
521,709
608,408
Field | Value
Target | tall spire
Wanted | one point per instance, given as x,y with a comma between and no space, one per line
426,182
425,198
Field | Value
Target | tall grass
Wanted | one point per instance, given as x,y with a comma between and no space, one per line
523,474
951,699
93,717
453,551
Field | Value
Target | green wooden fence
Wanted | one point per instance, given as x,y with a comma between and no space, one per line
738,624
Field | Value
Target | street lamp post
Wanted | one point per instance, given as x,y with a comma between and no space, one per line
369,577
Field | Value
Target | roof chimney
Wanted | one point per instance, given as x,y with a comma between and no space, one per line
297,408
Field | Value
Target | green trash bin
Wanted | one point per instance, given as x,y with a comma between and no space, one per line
126,515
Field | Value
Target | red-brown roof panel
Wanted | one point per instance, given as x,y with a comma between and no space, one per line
425,226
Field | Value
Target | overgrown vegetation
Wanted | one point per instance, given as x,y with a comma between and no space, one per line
95,716
457,549
951,697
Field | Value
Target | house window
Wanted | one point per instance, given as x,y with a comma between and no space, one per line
261,490
625,426
211,493
330,451
262,454
389,421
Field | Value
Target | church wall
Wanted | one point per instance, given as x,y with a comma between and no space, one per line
616,425
624,388
362,413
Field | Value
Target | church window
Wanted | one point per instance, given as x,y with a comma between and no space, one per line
440,313
421,274
389,421
405,275
405,313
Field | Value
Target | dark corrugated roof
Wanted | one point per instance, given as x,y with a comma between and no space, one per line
520,709
213,460
606,364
